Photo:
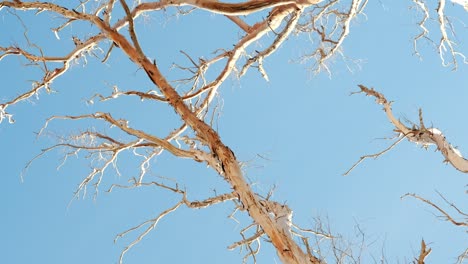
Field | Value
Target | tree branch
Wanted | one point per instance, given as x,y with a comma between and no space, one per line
421,135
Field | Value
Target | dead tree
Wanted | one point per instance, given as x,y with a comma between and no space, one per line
192,96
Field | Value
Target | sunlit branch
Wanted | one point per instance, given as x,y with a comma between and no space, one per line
425,251
108,11
464,255
257,31
144,140
131,28
106,151
136,184
325,54
242,8
75,15
238,21
421,135
49,76
192,96
446,45
252,252
281,37
446,216
123,125
150,95
444,41
314,232
422,24
145,164
101,170
247,242
375,156
152,223
332,248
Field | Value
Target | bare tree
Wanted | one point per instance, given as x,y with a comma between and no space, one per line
192,95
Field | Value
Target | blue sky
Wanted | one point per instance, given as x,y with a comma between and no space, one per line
299,132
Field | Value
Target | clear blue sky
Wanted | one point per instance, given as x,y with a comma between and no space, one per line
307,127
